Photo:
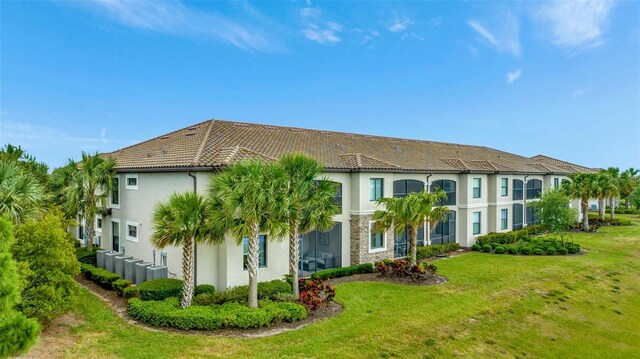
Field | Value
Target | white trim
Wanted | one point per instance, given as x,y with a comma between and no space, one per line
384,240
111,204
479,205
127,236
126,182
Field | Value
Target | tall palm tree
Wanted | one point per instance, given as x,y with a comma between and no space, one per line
249,198
21,195
88,185
606,188
184,220
584,187
412,212
629,181
616,182
310,204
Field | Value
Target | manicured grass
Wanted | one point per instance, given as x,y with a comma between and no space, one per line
492,306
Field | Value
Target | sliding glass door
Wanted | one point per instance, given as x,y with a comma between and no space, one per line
320,250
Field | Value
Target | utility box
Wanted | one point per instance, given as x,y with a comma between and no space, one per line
130,268
141,271
100,257
109,261
156,272
119,264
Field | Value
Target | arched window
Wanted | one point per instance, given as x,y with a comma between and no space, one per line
517,189
517,216
402,188
449,187
534,188
445,231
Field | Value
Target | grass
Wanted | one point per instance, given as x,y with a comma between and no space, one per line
492,306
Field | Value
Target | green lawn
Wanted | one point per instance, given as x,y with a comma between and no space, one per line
492,306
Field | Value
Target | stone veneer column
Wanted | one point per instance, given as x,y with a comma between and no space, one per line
360,241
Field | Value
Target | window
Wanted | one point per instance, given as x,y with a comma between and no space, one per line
445,231
449,187
115,234
337,199
99,223
504,187
402,188
517,189
376,190
377,240
517,217
477,183
131,181
476,222
532,216
503,218
262,256
556,182
534,188
81,232
115,192
320,250
132,231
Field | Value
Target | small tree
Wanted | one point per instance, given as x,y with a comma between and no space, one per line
555,213
17,333
634,199
412,212
582,186
46,250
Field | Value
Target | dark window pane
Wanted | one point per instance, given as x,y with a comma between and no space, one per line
262,254
517,189
517,216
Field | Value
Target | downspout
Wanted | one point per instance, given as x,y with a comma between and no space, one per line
195,250
428,226
524,201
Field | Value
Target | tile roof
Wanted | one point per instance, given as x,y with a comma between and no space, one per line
563,165
217,143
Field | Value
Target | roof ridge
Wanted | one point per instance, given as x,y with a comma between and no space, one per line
205,138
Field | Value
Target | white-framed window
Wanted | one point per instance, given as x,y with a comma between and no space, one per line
504,187
477,187
556,182
376,189
504,214
99,223
377,240
131,181
132,231
476,222
115,193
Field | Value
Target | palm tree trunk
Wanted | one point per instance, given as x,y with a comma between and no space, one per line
294,258
413,236
601,208
611,207
252,266
90,233
585,215
188,254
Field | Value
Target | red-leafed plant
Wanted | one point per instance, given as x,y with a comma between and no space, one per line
314,292
400,268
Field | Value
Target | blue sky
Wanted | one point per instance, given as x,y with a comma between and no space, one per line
561,78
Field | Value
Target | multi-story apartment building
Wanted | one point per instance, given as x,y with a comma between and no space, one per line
487,191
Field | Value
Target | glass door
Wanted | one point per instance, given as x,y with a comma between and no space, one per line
320,250
115,235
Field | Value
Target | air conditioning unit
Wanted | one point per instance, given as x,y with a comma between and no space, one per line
156,272
130,268
109,261
141,271
119,264
100,257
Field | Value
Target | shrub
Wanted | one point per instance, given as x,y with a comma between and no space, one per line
525,250
512,250
120,285
100,276
486,248
562,250
476,247
572,249
167,313
435,249
551,251
160,289
344,271
204,299
538,251
131,292
315,292
85,256
204,288
500,249
497,238
266,290
400,268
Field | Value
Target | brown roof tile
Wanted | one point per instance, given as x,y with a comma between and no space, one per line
564,166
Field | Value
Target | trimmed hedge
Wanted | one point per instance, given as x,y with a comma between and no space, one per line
160,289
433,250
344,271
120,285
131,292
204,288
167,313
100,276
494,239
85,256
266,290
476,247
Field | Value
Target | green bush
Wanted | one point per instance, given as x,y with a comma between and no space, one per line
562,250
85,256
344,271
500,249
204,288
497,238
525,250
512,250
168,313
131,292
550,251
204,299
572,249
266,290
538,251
120,285
160,289
433,250
476,247
100,276
486,248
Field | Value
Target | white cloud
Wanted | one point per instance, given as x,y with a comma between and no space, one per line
581,91
315,28
576,24
399,24
504,38
513,76
175,18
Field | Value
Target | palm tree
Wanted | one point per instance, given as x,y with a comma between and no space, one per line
412,212
88,185
184,220
21,195
310,204
247,199
606,187
629,181
584,187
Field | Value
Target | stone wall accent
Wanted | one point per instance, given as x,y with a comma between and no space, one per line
360,241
